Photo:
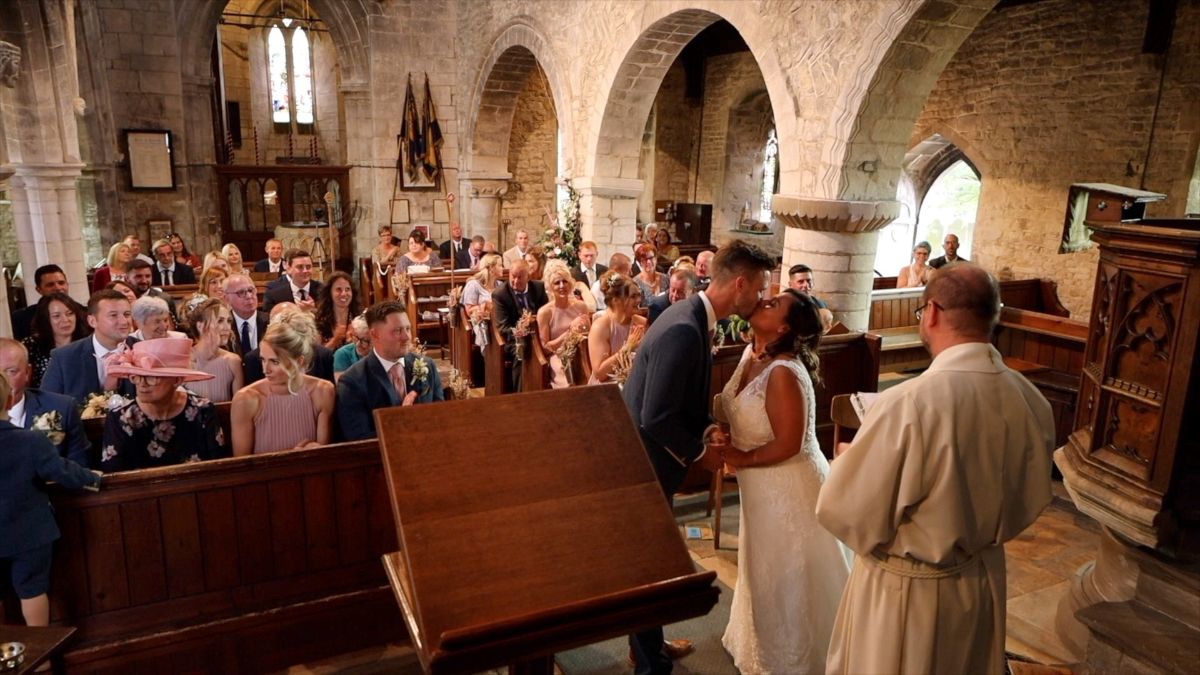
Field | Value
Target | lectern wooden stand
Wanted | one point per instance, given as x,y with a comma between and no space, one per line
539,528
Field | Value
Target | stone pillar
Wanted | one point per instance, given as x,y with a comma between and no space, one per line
608,213
837,239
194,173
481,195
49,228
369,186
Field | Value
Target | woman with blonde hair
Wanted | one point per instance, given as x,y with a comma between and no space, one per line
618,329
212,325
233,256
287,409
119,257
557,319
210,286
216,259
478,291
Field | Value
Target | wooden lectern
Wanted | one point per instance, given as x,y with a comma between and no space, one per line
539,528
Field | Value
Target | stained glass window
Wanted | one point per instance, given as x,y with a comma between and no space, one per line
769,178
277,69
302,63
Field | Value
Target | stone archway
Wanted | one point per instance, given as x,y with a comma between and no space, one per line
518,57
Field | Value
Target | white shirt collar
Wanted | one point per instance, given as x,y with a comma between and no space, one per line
387,365
709,312
100,350
16,414
166,269
296,289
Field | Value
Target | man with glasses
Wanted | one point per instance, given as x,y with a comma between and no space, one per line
249,323
946,468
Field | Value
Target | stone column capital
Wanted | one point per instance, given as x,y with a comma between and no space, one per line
834,215
66,172
10,64
611,188
485,185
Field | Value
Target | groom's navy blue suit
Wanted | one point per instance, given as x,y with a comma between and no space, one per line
667,395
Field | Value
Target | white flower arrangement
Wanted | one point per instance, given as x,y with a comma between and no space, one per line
51,424
99,405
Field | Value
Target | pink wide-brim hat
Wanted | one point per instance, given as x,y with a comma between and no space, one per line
160,357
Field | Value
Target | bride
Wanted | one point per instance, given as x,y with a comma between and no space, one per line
790,570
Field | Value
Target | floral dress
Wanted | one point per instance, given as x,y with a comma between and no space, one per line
134,441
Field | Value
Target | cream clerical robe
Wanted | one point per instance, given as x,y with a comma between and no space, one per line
945,469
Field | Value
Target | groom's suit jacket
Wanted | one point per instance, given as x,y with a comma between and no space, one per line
667,390
365,386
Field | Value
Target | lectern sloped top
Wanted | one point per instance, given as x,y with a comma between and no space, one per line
529,524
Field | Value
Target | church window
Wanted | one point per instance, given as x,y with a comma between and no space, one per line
277,65
950,207
770,177
290,74
303,79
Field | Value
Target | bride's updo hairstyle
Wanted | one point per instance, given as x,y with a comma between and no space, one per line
803,335
616,286
291,335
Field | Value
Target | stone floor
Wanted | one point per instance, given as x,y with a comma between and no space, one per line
1041,564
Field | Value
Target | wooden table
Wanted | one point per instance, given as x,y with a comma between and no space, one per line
40,643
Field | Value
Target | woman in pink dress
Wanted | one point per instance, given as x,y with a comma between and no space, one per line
557,319
212,323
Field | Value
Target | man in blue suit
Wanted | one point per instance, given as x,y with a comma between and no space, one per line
390,375
681,287
79,369
667,392
27,406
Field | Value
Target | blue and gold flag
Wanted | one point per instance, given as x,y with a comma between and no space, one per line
412,135
433,137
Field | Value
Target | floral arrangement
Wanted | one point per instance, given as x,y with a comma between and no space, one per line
99,405
523,329
561,240
51,424
400,284
458,385
420,366
569,348
620,372
735,329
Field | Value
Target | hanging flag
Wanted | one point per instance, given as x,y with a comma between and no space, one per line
433,137
412,135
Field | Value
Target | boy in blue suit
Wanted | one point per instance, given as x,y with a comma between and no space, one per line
27,527
390,375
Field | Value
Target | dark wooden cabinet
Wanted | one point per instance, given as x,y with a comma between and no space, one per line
689,223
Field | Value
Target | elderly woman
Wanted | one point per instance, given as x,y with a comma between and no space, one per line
357,346
57,321
182,254
164,424
619,328
417,254
287,409
916,273
386,252
651,281
212,323
337,304
233,257
559,318
119,257
152,316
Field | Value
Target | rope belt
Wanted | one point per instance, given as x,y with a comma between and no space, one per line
917,569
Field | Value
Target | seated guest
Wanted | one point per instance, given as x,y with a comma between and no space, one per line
617,262
249,322
469,257
211,324
273,263
517,252
211,287
916,273
560,317
338,304
477,294
589,271
233,256
418,254
123,287
27,527
152,317
950,247
287,409
215,259
183,255
47,279
703,267
119,257
390,375
668,253
135,246
140,276
169,270
618,328
80,369
387,252
648,277
450,248
536,259
164,424
54,415
358,346
298,286
681,286
512,300
322,361
57,322
800,278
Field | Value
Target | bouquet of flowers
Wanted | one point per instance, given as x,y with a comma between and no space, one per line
620,372
458,385
99,405
420,367
561,240
569,348
51,424
522,330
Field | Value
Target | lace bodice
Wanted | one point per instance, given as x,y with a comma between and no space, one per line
747,409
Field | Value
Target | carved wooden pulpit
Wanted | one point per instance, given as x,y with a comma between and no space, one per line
540,527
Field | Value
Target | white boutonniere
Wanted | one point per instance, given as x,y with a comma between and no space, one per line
420,367
51,424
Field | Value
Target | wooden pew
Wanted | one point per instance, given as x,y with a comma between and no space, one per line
464,355
240,565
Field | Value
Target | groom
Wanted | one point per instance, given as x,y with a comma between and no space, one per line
668,388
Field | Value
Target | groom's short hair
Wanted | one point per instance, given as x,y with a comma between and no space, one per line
739,259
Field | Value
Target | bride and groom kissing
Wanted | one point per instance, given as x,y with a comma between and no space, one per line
790,570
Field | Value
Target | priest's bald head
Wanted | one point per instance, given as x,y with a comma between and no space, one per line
960,304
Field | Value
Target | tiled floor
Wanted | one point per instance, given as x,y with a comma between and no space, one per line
1041,563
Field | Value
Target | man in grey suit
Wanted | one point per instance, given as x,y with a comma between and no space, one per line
667,392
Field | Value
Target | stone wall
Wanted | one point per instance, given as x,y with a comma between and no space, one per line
532,161
1048,94
675,138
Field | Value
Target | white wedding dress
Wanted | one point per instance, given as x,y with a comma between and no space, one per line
791,571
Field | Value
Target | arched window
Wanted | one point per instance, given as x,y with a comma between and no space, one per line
896,240
289,64
770,177
950,207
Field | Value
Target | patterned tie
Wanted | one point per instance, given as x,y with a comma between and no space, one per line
246,349
396,375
